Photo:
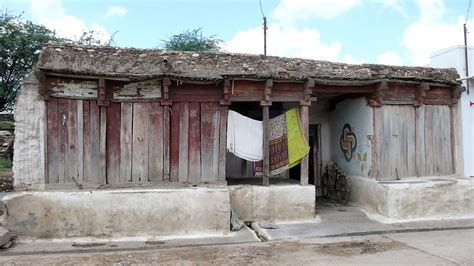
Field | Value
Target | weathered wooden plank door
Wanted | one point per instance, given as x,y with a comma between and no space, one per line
196,135
72,142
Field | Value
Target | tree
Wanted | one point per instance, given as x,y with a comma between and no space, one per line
192,40
90,37
20,44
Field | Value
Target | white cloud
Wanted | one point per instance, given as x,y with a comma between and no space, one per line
430,34
284,41
395,5
288,11
349,59
52,14
389,58
116,11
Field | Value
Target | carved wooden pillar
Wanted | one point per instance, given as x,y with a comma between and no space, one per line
304,116
266,103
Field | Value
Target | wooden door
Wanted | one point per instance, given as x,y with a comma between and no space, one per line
197,142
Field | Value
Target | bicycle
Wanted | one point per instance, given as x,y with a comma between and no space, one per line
334,179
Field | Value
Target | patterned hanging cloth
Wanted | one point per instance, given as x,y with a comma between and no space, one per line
278,147
287,143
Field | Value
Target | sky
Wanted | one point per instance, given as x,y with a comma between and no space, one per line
394,32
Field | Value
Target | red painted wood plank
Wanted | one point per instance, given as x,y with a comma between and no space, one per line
71,149
113,143
63,108
209,141
95,171
155,168
103,145
52,149
87,141
174,143
126,142
140,142
183,142
194,156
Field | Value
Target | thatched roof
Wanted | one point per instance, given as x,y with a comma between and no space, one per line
148,63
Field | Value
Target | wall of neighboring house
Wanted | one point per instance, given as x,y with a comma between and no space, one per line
454,57
351,127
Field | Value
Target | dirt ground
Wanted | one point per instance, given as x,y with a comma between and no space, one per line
293,253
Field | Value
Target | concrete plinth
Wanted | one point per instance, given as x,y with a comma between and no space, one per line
280,203
119,213
417,198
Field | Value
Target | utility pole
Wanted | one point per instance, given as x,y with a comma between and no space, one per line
264,36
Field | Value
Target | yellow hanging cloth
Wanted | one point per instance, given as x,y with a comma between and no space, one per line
297,144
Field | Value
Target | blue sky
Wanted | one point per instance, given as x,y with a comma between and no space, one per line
353,31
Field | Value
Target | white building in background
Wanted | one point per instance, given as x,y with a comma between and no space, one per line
455,57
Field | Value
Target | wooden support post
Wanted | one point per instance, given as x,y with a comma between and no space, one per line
266,146
224,107
266,103
304,116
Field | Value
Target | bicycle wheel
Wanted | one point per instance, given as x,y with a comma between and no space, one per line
325,185
343,189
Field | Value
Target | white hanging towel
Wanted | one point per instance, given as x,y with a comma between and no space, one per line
244,137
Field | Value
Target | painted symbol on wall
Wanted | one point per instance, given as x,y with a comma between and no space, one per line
348,142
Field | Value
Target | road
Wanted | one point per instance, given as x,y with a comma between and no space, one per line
449,247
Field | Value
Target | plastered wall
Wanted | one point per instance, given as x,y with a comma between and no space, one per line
351,127
29,148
